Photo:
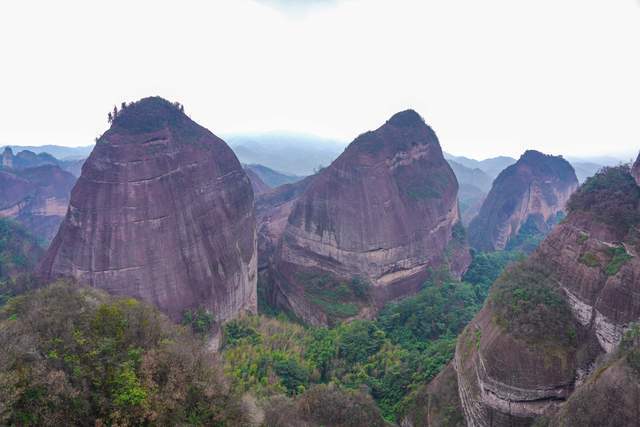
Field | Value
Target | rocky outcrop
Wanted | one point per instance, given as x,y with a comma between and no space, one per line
258,185
163,211
383,213
549,320
36,197
635,170
7,158
533,191
435,404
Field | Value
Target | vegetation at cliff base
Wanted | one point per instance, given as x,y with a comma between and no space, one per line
19,251
388,358
611,196
75,356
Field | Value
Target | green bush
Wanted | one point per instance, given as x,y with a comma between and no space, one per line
336,298
590,260
200,320
75,356
619,257
528,304
611,196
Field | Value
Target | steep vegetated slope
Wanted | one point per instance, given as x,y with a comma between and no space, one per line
368,228
163,211
526,199
551,328
76,356
19,251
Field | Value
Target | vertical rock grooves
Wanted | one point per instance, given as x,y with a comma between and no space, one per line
383,211
163,211
536,188
537,341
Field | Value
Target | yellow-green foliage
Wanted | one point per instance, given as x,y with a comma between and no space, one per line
590,260
75,356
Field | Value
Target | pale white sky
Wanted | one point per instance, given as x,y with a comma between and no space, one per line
492,77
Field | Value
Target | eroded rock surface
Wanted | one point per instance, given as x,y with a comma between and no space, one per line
163,211
536,188
383,212
36,197
551,319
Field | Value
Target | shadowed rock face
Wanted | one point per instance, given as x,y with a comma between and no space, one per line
36,197
383,211
517,360
258,185
163,211
635,170
536,189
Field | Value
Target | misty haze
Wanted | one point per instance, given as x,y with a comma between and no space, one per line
317,213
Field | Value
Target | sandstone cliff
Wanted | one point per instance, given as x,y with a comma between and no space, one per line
258,185
533,191
369,227
36,197
550,319
163,211
635,170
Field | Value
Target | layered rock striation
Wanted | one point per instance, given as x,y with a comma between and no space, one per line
551,320
36,197
532,192
383,214
163,211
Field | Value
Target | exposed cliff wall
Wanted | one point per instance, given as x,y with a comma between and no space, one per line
258,185
536,188
36,197
163,211
383,212
549,318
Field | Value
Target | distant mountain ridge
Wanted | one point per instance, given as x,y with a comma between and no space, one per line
60,152
528,195
491,166
291,154
271,177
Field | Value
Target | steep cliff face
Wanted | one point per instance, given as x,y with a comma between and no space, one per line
382,214
533,191
635,170
258,185
436,404
549,318
163,212
37,198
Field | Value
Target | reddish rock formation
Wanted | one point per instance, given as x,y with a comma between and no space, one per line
535,189
635,170
383,213
36,197
7,158
163,212
258,185
549,318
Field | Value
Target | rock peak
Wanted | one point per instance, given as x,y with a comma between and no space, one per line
406,118
148,115
635,170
